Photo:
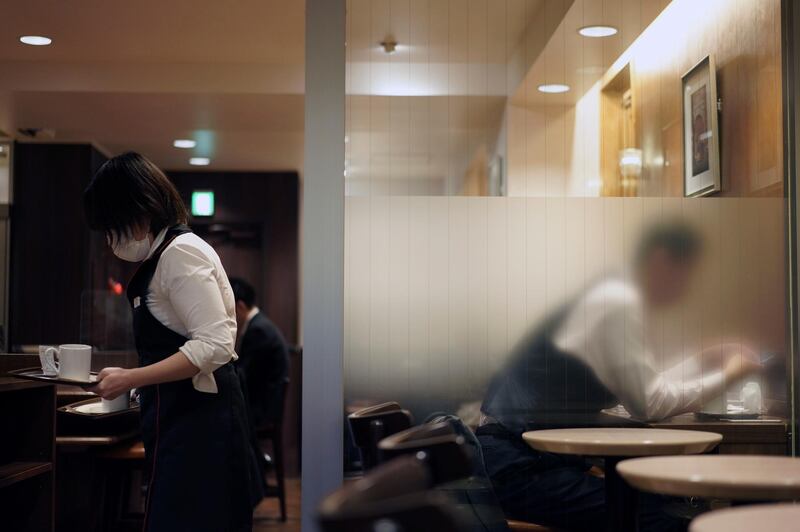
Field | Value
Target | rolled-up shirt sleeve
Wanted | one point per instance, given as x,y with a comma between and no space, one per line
646,392
189,281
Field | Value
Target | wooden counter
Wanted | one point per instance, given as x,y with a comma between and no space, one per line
27,455
768,435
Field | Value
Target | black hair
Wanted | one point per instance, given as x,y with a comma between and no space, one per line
129,191
680,240
243,291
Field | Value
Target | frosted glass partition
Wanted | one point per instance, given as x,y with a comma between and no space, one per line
439,290
481,200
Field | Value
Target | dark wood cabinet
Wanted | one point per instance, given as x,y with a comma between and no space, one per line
27,455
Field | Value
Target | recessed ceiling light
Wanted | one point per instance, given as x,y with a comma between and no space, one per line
36,40
199,161
184,143
553,88
598,31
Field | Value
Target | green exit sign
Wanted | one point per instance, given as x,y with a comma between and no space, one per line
203,203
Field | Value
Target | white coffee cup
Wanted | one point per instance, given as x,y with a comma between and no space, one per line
74,361
114,405
48,360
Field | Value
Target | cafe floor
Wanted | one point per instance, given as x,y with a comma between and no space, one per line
266,514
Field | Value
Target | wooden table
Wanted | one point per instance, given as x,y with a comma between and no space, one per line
614,445
736,477
767,517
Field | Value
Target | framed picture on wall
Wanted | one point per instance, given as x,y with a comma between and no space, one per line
701,175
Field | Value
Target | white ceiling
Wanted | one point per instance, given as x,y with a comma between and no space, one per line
136,75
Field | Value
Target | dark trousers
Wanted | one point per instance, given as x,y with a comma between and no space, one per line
556,490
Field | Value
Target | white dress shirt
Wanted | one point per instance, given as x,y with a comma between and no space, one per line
605,330
245,326
190,295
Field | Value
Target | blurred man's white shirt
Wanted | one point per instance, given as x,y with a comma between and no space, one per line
605,330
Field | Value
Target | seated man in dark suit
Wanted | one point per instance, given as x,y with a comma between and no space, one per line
263,357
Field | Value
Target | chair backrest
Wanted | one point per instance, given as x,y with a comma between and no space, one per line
454,456
370,425
445,451
393,496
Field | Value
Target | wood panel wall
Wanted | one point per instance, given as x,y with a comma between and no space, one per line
270,200
51,250
554,140
744,37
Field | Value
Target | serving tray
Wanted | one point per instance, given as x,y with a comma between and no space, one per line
90,408
36,374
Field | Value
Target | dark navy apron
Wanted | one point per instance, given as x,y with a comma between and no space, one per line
203,472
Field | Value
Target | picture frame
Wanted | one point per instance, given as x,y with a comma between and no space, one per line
701,163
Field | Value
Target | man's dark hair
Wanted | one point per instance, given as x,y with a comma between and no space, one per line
243,291
128,191
679,239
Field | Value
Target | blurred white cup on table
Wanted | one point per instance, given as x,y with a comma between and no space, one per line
751,397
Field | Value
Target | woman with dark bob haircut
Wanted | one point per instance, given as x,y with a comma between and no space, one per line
194,424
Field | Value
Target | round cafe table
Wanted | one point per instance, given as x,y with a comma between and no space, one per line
615,445
735,477
770,517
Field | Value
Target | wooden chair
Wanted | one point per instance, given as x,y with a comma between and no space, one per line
273,432
448,459
370,425
441,447
522,526
392,496
121,462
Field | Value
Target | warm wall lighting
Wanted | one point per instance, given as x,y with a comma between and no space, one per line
598,31
553,88
630,159
199,161
184,143
35,40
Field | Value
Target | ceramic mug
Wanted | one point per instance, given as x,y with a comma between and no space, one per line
47,358
115,405
74,361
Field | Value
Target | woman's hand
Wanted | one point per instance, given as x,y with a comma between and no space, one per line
113,382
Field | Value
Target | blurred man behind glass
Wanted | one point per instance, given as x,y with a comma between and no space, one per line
590,355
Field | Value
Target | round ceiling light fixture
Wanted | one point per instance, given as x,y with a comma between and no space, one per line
598,31
184,143
35,40
553,88
199,161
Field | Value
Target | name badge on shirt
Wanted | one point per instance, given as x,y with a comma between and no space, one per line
137,301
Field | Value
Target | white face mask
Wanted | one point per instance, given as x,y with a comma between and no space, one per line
130,249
